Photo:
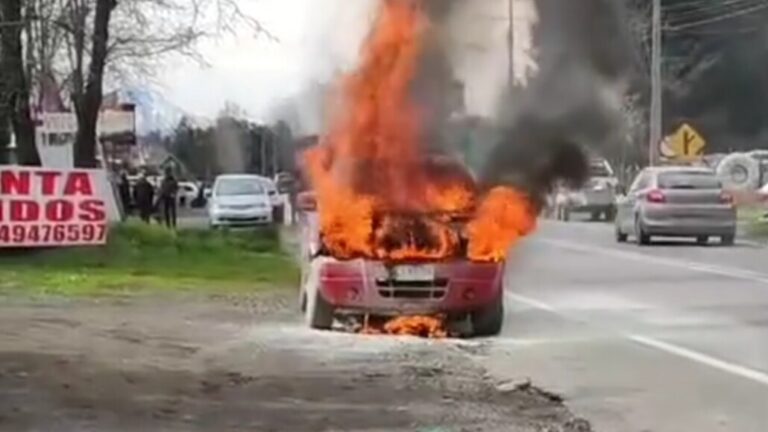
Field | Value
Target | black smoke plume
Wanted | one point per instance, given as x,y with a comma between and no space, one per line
568,109
435,87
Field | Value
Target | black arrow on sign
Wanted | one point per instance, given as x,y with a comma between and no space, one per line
688,138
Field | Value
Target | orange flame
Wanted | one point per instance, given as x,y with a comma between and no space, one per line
380,193
503,217
420,326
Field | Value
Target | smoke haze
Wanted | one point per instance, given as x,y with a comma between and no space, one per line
571,106
570,103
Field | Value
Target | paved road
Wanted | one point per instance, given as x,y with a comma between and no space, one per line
665,338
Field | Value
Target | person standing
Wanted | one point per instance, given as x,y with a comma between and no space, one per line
169,189
144,195
124,189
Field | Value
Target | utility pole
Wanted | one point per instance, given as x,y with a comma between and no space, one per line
511,42
263,158
657,90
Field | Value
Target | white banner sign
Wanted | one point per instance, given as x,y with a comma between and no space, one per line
41,207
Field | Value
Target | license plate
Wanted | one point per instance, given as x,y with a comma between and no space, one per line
423,273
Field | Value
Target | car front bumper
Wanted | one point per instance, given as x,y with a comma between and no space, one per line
234,218
459,287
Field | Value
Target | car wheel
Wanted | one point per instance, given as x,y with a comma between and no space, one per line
595,216
728,240
702,240
620,236
303,278
566,214
643,239
610,214
318,312
489,320
303,301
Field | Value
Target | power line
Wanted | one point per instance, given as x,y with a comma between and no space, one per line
688,4
731,15
701,5
697,13
741,31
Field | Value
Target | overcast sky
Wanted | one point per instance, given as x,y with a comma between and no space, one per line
316,40
315,37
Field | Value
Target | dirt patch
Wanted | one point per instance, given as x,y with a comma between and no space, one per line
232,364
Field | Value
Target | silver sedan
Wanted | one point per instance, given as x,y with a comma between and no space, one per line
676,202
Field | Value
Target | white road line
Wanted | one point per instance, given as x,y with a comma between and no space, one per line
695,356
704,359
531,302
730,272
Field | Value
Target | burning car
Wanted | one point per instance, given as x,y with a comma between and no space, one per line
394,225
451,285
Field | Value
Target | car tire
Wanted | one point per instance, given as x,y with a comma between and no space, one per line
303,302
620,236
728,240
566,214
489,320
318,313
303,278
643,239
610,214
702,240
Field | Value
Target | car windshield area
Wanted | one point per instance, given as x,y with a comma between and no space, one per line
688,180
235,187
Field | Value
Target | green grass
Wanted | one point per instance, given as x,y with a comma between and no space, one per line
753,218
140,258
758,230
751,213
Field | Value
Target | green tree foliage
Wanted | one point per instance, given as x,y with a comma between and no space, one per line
715,56
232,145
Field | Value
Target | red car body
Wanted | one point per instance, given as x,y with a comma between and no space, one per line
456,288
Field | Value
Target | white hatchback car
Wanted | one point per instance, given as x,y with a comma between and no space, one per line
239,200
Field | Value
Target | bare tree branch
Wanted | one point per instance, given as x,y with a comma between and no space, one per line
78,44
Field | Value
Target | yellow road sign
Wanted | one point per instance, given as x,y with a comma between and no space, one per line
686,143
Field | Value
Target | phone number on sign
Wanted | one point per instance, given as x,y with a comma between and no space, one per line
52,234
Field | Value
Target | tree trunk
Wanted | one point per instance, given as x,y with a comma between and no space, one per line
15,93
88,104
5,115
5,136
5,118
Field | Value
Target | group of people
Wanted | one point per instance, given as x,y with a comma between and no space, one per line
147,201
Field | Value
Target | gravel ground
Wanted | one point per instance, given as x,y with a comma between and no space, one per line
236,364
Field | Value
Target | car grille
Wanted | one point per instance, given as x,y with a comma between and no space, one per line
421,290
